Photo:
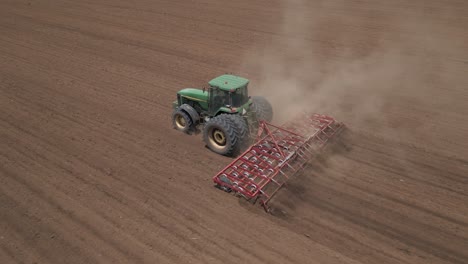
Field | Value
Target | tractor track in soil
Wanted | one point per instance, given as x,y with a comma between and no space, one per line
92,172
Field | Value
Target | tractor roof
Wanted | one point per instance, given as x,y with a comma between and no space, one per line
228,82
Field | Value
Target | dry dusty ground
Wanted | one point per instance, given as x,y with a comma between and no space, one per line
92,172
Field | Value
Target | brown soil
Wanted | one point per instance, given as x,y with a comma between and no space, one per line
91,170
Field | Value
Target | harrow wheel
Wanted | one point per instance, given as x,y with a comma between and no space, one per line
220,135
181,121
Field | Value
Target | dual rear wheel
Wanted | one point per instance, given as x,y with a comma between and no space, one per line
229,135
262,108
225,134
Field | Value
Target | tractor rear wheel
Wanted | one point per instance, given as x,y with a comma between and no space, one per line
220,135
262,108
242,131
182,121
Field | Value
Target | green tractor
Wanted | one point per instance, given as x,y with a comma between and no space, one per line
225,113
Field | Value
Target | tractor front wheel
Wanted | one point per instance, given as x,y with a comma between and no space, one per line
182,121
220,135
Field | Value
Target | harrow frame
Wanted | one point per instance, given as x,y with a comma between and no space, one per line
277,155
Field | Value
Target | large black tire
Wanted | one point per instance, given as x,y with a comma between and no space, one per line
221,136
242,132
262,108
181,121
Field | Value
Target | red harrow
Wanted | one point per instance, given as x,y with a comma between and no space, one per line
278,154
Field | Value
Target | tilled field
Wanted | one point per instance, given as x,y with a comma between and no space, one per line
91,170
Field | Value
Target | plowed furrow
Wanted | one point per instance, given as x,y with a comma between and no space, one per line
130,184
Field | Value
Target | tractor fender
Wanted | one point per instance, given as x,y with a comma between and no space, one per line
191,112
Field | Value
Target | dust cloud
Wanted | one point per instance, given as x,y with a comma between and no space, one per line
379,70
344,66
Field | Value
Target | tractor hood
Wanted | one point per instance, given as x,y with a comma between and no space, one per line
194,94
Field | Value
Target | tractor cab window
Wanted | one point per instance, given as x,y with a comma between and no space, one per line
219,98
239,97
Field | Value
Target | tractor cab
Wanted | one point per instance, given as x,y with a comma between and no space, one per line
227,93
